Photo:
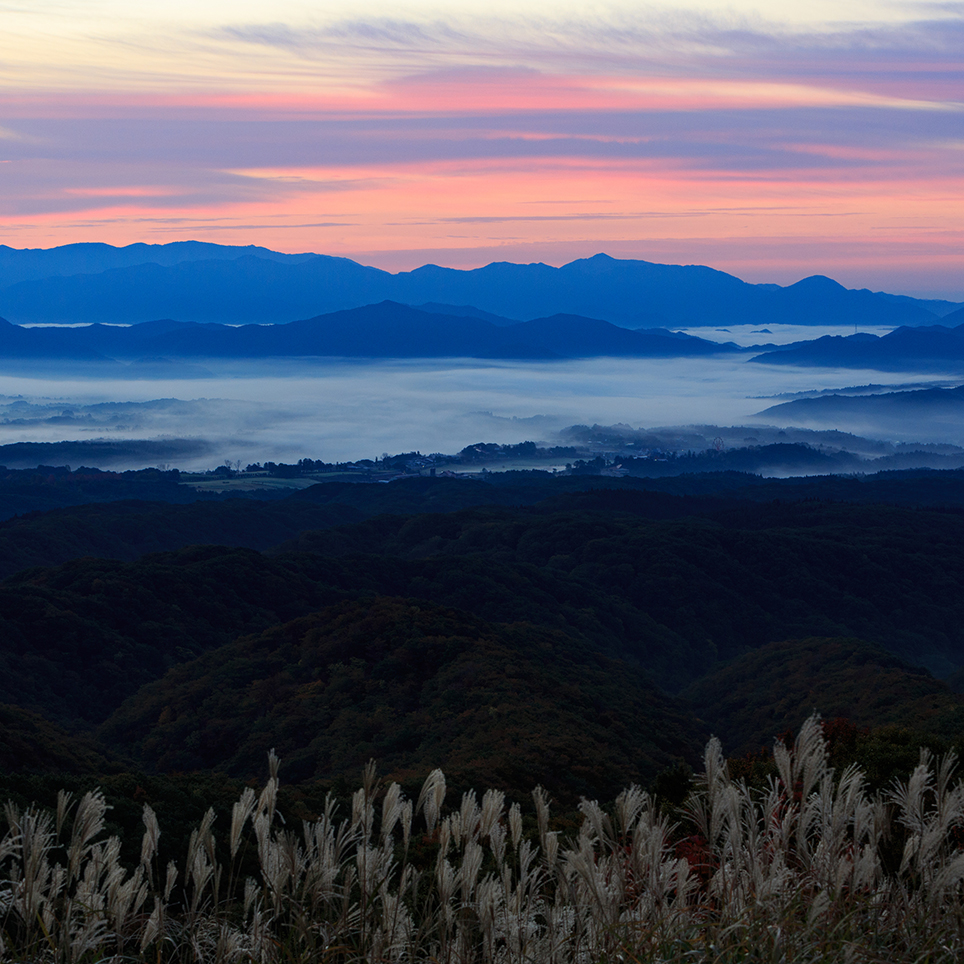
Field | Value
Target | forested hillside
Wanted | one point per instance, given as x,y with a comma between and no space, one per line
413,686
772,690
581,633
734,579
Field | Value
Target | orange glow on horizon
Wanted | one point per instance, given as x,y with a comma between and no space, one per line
576,208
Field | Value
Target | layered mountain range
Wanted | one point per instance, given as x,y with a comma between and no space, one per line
386,330
931,347
198,282
393,330
926,405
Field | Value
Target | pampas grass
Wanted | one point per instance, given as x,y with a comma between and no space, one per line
795,872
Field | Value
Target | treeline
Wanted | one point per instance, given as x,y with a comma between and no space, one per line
412,462
53,486
293,470
484,451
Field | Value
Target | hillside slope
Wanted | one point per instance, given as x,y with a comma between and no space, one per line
770,691
925,348
415,687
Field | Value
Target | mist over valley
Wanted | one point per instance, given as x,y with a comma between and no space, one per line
342,411
458,367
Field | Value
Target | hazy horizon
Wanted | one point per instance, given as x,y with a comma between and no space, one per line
773,142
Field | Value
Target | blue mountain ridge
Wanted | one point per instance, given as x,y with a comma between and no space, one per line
930,347
926,403
204,283
91,257
385,330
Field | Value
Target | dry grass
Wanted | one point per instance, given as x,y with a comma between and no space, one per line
799,872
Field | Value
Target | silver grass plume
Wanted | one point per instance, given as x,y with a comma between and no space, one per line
431,798
152,834
240,814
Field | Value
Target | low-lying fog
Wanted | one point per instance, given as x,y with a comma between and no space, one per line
342,411
747,335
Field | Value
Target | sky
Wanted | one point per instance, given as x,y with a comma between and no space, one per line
773,140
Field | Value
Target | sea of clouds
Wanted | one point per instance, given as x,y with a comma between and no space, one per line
339,411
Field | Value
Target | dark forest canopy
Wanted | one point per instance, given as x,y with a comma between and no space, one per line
554,607
413,686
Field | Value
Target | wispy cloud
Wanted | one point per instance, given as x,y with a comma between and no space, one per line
625,41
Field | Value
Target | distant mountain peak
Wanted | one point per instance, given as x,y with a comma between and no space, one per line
209,283
817,282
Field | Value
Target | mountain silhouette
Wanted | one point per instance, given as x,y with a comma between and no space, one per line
931,347
385,330
203,283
